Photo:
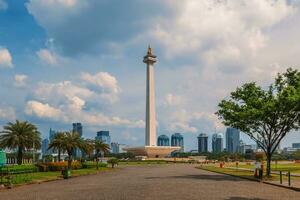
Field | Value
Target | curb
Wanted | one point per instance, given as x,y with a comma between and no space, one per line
256,180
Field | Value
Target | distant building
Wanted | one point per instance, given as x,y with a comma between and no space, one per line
45,144
115,147
177,141
103,136
122,147
244,147
289,150
77,127
217,143
232,140
52,134
202,143
163,140
296,145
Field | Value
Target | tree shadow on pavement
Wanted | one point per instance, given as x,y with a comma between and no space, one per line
243,198
201,176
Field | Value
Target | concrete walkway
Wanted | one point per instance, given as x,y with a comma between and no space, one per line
176,181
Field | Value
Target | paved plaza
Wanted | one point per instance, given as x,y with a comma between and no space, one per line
176,181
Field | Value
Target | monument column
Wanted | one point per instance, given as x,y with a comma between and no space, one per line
150,59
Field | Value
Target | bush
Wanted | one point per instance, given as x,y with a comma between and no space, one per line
59,166
21,168
113,162
91,164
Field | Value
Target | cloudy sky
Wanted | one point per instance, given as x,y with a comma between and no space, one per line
63,61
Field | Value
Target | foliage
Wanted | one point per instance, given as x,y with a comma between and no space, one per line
59,166
20,135
20,168
90,164
265,115
57,144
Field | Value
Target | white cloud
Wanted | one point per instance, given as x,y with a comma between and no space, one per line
43,111
20,80
104,81
7,113
47,57
3,5
182,127
173,100
68,114
5,58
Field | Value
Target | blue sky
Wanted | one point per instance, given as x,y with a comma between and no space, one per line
63,61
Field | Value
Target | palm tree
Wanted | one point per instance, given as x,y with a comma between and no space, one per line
57,143
20,135
71,142
89,147
100,147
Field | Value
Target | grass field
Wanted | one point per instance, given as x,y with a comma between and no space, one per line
284,167
35,177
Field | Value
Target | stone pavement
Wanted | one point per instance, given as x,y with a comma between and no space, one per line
174,181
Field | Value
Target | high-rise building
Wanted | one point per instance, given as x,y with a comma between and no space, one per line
163,140
177,141
232,140
77,127
217,142
202,143
103,136
52,133
296,145
244,147
45,144
115,147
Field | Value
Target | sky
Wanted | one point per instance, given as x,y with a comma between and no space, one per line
64,61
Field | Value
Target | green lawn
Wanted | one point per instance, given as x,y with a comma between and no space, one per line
285,167
35,177
250,174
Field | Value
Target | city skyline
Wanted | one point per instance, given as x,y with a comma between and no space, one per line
96,76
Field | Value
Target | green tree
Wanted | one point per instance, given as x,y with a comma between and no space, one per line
57,144
89,147
266,115
71,142
113,162
100,147
20,135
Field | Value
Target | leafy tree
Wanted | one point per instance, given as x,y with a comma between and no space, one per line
57,144
71,142
100,147
89,147
20,135
266,115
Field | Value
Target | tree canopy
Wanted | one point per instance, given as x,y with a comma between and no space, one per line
266,115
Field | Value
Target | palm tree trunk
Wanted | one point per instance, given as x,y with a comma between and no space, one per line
70,161
59,152
20,155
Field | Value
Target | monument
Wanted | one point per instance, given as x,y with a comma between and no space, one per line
150,149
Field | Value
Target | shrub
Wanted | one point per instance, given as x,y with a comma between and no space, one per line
59,166
91,164
21,168
113,162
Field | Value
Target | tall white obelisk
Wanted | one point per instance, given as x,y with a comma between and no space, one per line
150,59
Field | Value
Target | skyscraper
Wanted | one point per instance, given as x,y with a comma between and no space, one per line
163,140
45,144
52,133
77,127
232,140
103,136
115,147
202,143
177,141
217,142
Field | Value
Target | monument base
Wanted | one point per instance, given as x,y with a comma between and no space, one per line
152,151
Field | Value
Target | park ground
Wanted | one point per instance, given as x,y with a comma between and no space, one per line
169,181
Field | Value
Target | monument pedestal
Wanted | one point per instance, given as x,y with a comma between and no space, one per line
152,151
